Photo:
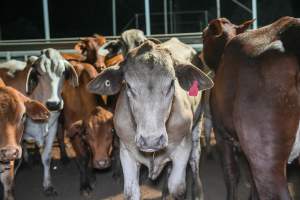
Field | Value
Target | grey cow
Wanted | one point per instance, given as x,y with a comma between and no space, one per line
156,119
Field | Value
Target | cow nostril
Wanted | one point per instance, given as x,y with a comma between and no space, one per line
142,141
16,152
3,151
161,141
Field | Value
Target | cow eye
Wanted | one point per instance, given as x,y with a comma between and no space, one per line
130,90
170,88
113,131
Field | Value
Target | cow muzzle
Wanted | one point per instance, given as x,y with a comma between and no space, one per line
102,164
151,144
54,105
10,153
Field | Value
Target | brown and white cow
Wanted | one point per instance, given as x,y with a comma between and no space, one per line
255,101
14,108
89,126
155,118
43,81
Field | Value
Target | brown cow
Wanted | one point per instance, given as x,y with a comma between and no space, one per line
89,47
89,126
14,107
255,101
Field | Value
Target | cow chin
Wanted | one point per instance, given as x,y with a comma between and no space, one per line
102,164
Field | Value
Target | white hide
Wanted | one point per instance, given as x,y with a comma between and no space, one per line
13,66
296,147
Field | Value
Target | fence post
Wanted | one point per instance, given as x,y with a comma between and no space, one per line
46,19
147,17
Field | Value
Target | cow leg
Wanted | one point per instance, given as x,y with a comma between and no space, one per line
46,160
83,166
270,180
197,191
230,168
131,169
62,147
177,179
165,191
7,179
207,126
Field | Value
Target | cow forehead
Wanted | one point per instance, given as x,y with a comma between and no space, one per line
53,66
152,65
10,106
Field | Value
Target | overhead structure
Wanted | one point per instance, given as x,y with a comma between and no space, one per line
147,17
218,5
253,11
166,16
46,19
114,17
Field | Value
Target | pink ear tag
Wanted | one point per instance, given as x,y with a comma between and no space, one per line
193,91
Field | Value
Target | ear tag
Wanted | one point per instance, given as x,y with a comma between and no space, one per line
107,83
193,91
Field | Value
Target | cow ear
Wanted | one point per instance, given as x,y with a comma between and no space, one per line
70,74
36,111
80,46
31,80
2,84
244,26
108,82
75,129
216,27
187,74
31,60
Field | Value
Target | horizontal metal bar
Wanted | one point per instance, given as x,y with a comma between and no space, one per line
33,47
242,6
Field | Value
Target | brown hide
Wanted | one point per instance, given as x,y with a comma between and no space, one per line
82,105
13,107
89,46
255,102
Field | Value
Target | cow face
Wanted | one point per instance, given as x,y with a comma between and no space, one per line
89,46
14,108
45,78
97,133
216,35
151,77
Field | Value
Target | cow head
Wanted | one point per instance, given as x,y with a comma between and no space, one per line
115,51
151,76
46,76
215,37
97,133
89,46
14,108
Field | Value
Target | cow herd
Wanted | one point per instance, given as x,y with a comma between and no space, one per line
145,99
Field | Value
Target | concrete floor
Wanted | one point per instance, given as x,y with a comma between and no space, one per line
66,181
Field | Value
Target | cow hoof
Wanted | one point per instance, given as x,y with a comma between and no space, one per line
50,191
86,191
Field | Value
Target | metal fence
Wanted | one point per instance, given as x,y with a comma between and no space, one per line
20,49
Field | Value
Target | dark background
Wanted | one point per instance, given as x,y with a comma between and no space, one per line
24,19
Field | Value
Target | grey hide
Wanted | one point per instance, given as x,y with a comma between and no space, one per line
155,118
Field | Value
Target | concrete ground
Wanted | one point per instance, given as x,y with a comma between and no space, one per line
66,181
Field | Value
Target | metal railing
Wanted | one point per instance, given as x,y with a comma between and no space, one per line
23,48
